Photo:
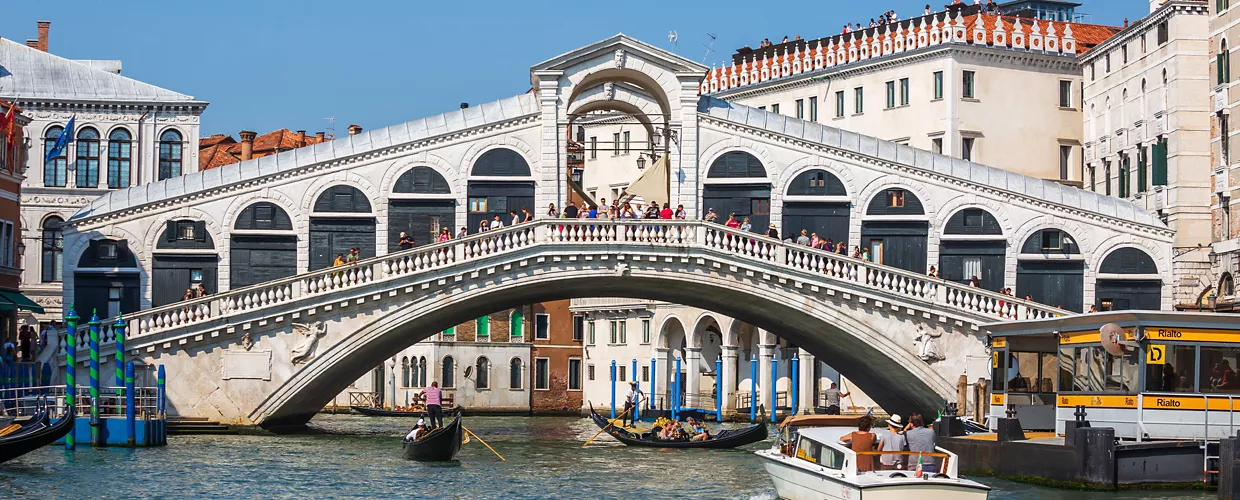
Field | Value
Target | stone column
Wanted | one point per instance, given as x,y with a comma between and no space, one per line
693,377
662,381
728,377
805,398
766,385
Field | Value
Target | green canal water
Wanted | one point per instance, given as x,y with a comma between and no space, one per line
359,457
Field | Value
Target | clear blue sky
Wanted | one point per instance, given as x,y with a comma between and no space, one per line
265,65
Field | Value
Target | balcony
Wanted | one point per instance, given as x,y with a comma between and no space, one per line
1222,182
1160,123
611,304
1218,98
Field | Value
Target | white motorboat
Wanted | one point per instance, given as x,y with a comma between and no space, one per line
811,463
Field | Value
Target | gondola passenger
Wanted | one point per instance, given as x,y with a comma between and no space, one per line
697,431
417,431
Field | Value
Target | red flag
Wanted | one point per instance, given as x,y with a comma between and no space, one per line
8,123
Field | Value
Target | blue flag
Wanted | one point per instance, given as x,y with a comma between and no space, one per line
65,138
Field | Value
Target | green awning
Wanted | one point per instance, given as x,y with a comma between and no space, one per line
20,301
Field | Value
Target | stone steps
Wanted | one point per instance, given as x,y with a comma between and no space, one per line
197,426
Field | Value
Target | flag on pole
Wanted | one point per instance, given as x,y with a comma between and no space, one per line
66,136
8,123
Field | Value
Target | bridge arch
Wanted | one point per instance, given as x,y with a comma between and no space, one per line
737,182
972,244
895,224
659,91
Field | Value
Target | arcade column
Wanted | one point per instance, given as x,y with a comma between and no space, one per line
693,377
728,377
805,396
765,384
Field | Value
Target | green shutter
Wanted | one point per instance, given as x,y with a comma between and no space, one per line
516,324
1141,169
1160,162
1218,61
484,326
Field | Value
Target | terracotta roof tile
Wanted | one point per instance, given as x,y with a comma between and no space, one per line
206,142
219,150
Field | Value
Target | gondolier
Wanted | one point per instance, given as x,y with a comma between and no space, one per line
432,396
631,404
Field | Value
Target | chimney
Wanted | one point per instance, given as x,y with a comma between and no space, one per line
1125,22
43,27
301,138
355,129
464,105
318,137
247,144
34,44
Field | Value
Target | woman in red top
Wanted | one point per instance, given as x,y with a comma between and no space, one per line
732,222
862,440
666,213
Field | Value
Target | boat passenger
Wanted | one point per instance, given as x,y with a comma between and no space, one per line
417,431
893,440
862,440
920,439
697,431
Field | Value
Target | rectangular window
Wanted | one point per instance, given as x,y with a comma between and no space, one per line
1107,62
624,332
973,218
542,327
1065,93
1093,74
614,329
593,148
615,144
590,372
891,95
1052,240
967,85
1123,51
579,327
1162,32
1143,162
813,109
759,206
574,374
936,145
627,143
620,374
645,374
1160,162
542,374
859,100
1065,157
1143,43
590,339
904,91
839,104
1176,372
477,204
895,198
775,108
801,108
1224,139
1125,166
645,331
1106,176
107,251
938,84
1222,379
185,230
966,148
114,302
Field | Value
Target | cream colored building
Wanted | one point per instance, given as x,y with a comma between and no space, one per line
1225,216
1147,130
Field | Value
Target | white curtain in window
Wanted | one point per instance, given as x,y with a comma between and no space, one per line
972,267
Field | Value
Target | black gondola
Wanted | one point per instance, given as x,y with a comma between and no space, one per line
440,445
723,440
34,434
380,412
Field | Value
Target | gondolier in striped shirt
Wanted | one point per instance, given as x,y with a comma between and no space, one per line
432,396
630,404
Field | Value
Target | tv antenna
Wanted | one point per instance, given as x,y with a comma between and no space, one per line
331,127
709,48
673,38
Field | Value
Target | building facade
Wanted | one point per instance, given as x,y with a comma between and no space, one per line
126,133
1147,135
12,155
1224,158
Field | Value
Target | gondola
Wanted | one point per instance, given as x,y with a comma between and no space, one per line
723,440
34,434
440,445
380,412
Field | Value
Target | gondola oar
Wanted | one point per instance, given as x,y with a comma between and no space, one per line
609,424
484,443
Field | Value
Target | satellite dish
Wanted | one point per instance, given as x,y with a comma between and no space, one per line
469,370
1112,335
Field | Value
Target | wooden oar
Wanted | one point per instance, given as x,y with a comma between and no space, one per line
609,424
484,443
851,406
11,428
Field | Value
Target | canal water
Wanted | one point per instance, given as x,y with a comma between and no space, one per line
360,457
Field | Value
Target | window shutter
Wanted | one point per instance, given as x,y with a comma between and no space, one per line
171,232
1160,162
1142,165
200,231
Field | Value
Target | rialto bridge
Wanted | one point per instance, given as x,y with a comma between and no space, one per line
279,334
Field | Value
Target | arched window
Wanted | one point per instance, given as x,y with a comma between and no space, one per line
1226,286
1223,63
482,373
87,164
53,248
516,325
449,372
55,170
119,148
515,380
169,154
413,373
422,371
404,371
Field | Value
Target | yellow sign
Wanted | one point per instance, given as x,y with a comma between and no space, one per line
1187,403
996,399
1092,336
1095,401
998,343
994,360
1198,335
1156,354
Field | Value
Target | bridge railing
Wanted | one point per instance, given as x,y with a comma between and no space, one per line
714,237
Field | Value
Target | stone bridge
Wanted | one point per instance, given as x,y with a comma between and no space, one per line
273,354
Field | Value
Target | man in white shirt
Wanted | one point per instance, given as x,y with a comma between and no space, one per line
631,404
417,430
497,224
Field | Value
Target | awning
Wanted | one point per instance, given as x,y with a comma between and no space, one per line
15,300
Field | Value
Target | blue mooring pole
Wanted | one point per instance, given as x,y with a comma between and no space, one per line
719,389
161,405
753,389
637,408
653,375
774,384
613,389
118,330
71,321
131,432
96,436
676,392
794,398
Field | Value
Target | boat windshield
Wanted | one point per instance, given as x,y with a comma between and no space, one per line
814,452
932,463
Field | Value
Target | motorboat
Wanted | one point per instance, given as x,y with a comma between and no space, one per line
812,463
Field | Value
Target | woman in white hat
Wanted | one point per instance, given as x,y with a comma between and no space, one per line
893,440
417,430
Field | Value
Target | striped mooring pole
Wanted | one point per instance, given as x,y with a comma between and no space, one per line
118,330
96,437
71,321
131,411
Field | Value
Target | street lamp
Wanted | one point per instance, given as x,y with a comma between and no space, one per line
641,161
576,175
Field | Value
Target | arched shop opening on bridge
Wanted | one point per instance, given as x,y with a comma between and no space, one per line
184,259
737,184
817,202
1051,269
895,230
973,245
106,281
1128,279
342,220
420,204
499,182
263,246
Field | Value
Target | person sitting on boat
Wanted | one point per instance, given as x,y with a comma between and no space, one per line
893,440
697,431
920,439
861,441
417,431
